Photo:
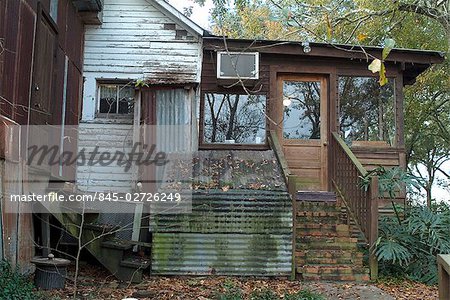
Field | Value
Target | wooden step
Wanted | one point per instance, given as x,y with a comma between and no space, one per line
117,244
132,267
136,262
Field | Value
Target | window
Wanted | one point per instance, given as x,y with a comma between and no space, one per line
54,10
232,64
366,109
301,114
234,118
116,99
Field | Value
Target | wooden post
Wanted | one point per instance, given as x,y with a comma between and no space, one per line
373,230
293,192
443,262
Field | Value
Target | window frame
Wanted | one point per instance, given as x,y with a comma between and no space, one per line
390,76
219,65
111,115
223,146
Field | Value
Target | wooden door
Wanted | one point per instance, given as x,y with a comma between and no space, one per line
303,128
42,92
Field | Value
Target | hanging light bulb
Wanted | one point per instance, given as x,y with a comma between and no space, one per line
287,101
306,47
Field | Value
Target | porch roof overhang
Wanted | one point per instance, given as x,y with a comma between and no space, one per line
88,5
90,11
412,61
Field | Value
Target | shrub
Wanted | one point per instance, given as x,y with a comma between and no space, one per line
14,286
409,246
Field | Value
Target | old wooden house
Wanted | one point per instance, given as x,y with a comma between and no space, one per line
286,131
281,133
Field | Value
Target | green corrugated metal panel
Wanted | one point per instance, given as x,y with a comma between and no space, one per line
238,232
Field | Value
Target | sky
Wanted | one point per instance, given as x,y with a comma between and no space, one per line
200,14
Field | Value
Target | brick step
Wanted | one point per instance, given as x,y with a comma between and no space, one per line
320,253
357,262
325,243
316,196
332,270
332,277
335,257
321,233
315,229
318,220
318,214
317,206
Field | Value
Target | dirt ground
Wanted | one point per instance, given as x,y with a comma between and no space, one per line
95,283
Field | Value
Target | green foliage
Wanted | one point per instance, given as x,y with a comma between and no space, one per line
410,247
265,294
14,285
390,181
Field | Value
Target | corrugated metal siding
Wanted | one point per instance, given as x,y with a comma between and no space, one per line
173,112
238,232
111,138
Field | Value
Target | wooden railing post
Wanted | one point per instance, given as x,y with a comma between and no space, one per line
443,262
293,192
373,230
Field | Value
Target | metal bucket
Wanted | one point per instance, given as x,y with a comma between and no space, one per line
50,272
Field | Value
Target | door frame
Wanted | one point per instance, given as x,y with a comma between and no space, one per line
324,119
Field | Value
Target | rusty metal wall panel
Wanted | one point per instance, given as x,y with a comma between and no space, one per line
239,232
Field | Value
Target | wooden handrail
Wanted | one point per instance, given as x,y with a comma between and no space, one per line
350,154
443,262
289,179
362,205
275,145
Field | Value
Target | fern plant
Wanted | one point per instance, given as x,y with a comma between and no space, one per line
410,247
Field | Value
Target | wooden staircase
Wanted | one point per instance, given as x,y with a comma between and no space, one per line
116,255
324,248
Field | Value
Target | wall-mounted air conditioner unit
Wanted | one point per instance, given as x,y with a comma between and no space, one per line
234,65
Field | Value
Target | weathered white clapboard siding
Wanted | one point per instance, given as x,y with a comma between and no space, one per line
139,39
108,138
